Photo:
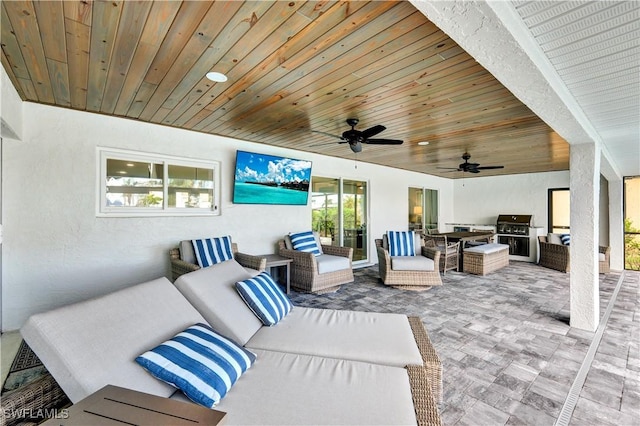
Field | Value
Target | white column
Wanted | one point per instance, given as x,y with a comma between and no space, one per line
616,224
585,197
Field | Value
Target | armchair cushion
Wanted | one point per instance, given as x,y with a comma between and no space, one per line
200,362
412,263
187,253
289,246
401,243
305,242
554,238
264,298
330,263
417,242
210,251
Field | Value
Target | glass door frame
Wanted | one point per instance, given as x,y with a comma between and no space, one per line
419,214
340,229
550,224
630,231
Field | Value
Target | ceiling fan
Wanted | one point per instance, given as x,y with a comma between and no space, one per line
355,138
470,167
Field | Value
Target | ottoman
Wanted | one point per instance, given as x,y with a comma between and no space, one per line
486,258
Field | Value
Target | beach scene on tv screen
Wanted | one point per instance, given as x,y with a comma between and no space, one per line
267,179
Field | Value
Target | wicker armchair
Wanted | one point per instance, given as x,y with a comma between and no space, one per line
556,256
449,252
304,269
408,280
180,266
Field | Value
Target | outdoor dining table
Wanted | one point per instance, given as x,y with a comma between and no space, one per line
465,236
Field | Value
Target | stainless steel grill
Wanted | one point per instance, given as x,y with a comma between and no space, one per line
513,229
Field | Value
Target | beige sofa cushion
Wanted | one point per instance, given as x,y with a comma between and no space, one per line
554,238
412,263
282,388
187,253
362,336
487,248
213,293
90,344
329,263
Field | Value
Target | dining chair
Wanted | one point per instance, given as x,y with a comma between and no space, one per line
449,251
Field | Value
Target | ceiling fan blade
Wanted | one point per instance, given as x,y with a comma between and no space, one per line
383,141
489,167
473,171
328,134
372,131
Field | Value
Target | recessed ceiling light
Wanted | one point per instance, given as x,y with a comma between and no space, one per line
423,143
216,76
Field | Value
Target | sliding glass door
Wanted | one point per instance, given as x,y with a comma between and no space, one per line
423,209
632,223
325,209
339,213
354,217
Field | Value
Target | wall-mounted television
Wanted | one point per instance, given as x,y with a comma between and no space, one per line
270,179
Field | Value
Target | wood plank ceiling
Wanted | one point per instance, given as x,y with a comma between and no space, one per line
296,69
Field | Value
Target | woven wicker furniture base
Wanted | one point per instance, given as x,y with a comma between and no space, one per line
412,287
430,359
31,399
483,264
424,404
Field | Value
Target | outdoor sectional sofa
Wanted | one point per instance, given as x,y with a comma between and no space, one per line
313,367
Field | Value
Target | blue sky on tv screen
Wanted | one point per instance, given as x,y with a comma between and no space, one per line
251,167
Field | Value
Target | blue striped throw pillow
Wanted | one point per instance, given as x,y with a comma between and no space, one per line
210,251
566,239
305,241
401,243
265,298
200,362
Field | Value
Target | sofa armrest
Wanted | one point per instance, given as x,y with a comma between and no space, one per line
300,259
432,253
338,251
250,261
383,257
179,266
40,396
555,256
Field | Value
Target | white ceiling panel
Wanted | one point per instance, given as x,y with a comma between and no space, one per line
595,49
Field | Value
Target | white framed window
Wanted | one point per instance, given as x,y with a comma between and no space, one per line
134,183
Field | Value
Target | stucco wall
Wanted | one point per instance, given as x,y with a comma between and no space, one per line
481,200
56,251
10,108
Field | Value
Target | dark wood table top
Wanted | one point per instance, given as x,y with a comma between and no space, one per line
466,235
113,405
